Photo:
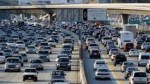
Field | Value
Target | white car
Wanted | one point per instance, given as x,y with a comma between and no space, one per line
102,73
99,64
30,74
2,57
133,52
10,43
138,77
20,44
52,43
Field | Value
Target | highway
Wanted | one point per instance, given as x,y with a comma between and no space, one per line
117,75
43,76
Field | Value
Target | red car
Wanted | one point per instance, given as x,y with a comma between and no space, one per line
128,46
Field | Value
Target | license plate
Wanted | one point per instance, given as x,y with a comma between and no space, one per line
29,77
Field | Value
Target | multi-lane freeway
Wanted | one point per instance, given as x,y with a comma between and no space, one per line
44,76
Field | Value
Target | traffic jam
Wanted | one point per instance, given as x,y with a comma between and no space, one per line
122,45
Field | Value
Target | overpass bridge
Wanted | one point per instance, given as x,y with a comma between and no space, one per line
123,9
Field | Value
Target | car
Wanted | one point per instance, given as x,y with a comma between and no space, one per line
20,57
58,81
67,46
128,46
10,43
31,49
147,49
20,45
30,74
43,44
102,73
68,52
143,59
52,43
2,57
36,63
138,77
55,37
148,66
44,55
12,64
63,63
7,52
105,40
126,64
68,40
138,44
119,59
95,53
129,70
108,47
99,64
61,55
93,45
58,73
88,41
134,52
113,51
145,45
24,57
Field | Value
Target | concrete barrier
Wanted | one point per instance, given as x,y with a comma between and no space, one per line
81,65
82,73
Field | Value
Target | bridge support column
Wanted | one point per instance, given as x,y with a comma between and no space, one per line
125,18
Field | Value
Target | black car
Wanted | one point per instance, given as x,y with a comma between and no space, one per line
95,53
119,59
147,49
63,63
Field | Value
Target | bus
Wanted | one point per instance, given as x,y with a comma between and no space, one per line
125,37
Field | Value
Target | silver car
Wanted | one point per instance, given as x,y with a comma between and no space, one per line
36,63
12,64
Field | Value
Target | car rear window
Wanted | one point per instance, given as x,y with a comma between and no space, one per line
140,74
30,70
145,57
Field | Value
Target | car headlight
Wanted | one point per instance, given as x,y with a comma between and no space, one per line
69,64
58,64
17,65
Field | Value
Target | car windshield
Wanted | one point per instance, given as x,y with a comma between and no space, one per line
31,47
132,69
7,50
145,57
63,60
36,61
128,63
66,46
30,70
140,74
44,44
66,52
19,42
93,44
100,62
103,70
12,60
43,52
60,73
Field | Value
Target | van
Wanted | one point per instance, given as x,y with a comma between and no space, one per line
143,59
138,77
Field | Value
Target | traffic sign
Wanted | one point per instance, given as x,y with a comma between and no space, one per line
94,14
